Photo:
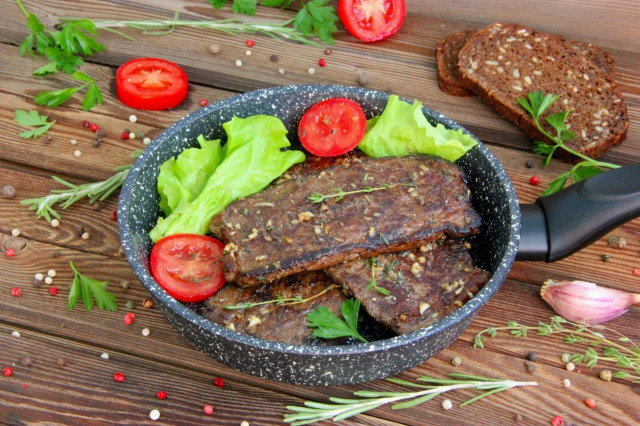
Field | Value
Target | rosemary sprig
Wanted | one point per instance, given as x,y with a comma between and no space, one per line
621,351
317,197
536,104
228,26
344,408
372,262
279,300
96,191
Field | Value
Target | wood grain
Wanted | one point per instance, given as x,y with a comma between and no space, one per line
84,392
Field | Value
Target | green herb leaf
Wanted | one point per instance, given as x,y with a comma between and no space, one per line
52,98
88,289
218,4
92,97
316,16
74,40
328,326
556,185
64,61
43,40
276,3
584,172
557,120
246,7
32,119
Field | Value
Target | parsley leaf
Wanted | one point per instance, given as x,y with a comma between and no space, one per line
63,60
276,3
328,326
217,4
88,289
536,104
316,17
39,34
32,119
73,40
246,7
54,98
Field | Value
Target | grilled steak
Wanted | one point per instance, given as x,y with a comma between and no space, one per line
375,206
423,284
277,322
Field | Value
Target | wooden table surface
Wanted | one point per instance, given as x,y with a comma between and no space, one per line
67,381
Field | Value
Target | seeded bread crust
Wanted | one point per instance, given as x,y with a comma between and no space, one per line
447,60
504,62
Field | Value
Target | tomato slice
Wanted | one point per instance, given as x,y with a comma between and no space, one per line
188,266
372,20
151,83
332,127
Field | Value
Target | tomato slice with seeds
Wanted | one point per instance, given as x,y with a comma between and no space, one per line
188,266
372,20
332,127
151,84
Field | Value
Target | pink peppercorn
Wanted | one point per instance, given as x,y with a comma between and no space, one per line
118,377
53,290
535,180
86,124
8,371
161,394
129,317
590,402
219,382
94,127
322,62
208,410
15,292
250,43
204,102
557,421
10,252
636,272
124,136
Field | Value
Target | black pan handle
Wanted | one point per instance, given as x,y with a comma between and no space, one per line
562,223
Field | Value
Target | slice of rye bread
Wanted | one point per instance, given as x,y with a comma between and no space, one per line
447,61
449,47
504,62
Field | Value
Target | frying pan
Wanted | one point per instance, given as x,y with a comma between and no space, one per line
552,228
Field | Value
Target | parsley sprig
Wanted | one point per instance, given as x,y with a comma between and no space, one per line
536,104
431,387
63,47
620,350
53,98
328,326
32,119
315,17
88,289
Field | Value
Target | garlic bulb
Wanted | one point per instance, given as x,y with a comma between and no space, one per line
584,302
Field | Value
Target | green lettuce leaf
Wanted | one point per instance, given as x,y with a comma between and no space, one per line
186,176
253,159
402,129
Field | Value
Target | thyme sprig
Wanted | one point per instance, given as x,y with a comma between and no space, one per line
344,408
279,300
622,351
95,191
227,26
536,104
339,194
372,263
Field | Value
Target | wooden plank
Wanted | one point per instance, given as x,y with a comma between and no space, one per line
388,65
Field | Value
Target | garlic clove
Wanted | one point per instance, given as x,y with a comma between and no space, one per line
584,302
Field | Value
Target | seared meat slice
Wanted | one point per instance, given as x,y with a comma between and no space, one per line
380,205
284,322
424,284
